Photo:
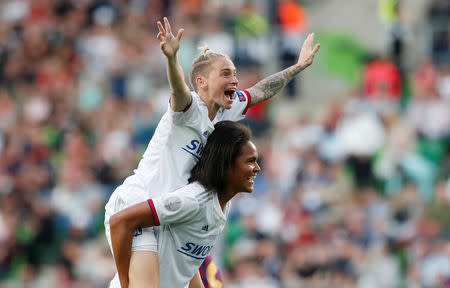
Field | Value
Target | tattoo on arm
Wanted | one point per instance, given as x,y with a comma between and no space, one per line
268,87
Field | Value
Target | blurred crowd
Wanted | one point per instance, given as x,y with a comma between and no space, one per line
354,195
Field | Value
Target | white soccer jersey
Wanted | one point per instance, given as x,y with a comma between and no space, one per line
191,219
165,166
178,143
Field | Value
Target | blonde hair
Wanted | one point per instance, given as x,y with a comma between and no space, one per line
201,65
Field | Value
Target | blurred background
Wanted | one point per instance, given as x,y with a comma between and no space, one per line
355,188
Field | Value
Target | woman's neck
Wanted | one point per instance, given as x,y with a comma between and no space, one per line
224,197
213,107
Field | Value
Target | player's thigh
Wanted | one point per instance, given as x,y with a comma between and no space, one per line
196,281
144,263
144,269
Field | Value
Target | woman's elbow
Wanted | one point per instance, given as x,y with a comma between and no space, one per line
131,218
117,220
113,221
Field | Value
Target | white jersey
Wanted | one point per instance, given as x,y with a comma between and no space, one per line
165,166
178,143
191,219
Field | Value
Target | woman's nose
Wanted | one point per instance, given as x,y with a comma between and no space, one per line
257,168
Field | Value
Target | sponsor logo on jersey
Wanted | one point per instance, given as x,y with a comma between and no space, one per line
241,96
205,228
206,134
195,148
194,250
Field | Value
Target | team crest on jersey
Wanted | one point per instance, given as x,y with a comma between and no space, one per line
241,96
206,134
205,228
172,203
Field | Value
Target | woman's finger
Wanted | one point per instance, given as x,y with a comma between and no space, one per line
180,33
160,37
167,25
160,27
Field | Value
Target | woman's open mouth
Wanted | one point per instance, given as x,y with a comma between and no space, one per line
229,94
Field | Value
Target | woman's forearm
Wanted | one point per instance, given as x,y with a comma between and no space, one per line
121,239
271,85
181,96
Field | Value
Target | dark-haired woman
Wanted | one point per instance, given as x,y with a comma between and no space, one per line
192,217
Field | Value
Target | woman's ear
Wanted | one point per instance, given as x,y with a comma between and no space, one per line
201,82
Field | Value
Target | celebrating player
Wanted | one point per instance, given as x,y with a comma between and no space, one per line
181,135
192,217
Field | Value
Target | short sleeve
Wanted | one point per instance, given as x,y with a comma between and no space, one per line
240,106
189,115
171,208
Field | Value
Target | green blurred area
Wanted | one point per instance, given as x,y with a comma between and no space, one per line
341,55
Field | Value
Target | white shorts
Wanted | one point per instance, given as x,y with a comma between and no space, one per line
131,192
